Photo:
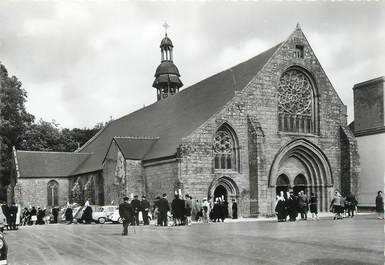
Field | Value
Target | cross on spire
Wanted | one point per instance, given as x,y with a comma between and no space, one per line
166,26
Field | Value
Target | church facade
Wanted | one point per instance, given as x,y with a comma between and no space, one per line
271,123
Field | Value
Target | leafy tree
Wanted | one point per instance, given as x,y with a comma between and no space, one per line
14,120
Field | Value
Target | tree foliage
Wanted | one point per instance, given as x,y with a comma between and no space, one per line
14,120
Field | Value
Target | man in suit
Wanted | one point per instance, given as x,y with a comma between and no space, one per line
126,213
145,207
135,204
164,207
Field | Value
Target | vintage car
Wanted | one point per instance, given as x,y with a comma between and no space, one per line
102,213
3,250
115,217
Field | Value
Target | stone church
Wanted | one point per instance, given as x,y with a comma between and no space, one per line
268,124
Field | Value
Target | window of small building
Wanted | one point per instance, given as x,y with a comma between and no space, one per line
53,193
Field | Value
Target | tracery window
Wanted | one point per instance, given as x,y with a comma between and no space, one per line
295,102
53,193
225,149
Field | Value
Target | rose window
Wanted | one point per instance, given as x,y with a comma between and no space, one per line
295,102
295,93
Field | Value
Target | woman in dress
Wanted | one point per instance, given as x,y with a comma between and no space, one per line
314,206
380,205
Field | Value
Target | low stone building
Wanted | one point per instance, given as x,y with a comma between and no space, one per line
369,130
271,123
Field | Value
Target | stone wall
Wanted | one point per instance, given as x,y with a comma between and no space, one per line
134,177
258,103
369,100
161,177
114,185
33,191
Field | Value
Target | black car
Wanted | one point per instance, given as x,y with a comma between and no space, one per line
3,250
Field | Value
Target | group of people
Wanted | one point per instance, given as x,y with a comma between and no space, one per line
39,216
288,205
8,216
85,218
341,206
181,212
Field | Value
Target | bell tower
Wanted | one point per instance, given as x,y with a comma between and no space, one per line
167,81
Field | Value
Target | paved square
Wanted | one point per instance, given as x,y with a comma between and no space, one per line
349,241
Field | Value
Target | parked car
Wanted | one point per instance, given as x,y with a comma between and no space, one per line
3,249
115,217
102,213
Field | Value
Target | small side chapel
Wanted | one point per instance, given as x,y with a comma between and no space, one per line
271,123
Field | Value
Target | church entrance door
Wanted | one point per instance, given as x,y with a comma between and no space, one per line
226,189
282,184
220,192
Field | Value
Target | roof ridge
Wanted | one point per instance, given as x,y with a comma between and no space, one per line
138,137
52,152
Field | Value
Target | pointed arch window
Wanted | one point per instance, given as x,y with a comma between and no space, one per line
53,193
225,149
297,103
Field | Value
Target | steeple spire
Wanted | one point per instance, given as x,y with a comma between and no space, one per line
167,75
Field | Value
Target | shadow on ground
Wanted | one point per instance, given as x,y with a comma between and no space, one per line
331,261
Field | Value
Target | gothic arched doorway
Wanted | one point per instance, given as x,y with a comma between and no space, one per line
282,184
307,168
226,189
220,192
300,184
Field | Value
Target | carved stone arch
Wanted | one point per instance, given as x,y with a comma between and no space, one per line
319,175
228,183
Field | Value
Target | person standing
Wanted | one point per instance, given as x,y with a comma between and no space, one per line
205,210
156,211
280,208
69,215
351,204
135,204
380,205
5,209
145,207
126,213
55,213
335,205
234,209
164,207
33,215
313,206
87,214
292,207
188,209
12,216
302,203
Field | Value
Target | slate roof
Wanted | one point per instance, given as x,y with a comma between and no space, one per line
49,164
169,120
173,118
134,147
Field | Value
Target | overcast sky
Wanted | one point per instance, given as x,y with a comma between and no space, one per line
83,61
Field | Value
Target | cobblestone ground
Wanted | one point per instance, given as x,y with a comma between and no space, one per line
350,241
